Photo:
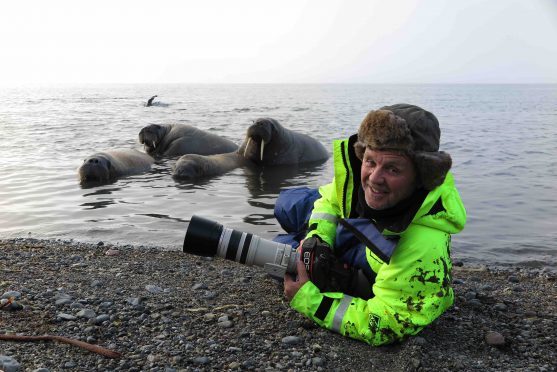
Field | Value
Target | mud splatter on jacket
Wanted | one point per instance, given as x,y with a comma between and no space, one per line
413,289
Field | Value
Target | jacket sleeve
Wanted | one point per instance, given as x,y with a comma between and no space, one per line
325,214
410,292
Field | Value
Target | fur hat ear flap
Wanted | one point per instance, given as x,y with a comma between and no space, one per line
432,167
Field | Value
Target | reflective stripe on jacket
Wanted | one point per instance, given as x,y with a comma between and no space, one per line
413,289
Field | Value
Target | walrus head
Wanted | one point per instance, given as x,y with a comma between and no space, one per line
192,166
150,136
258,135
96,168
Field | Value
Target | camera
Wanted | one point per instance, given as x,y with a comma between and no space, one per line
209,238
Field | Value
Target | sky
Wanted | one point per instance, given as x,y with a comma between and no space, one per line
278,41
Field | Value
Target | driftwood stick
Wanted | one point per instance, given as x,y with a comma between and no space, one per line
84,345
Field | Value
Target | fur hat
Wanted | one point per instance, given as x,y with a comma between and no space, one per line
410,130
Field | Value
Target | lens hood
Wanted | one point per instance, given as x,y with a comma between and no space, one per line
202,237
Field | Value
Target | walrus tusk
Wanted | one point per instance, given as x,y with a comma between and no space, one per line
247,145
84,345
262,147
154,145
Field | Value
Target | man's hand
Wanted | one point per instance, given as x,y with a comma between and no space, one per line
292,286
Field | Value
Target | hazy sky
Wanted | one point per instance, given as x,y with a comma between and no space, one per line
278,41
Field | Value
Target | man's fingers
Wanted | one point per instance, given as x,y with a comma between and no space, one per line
302,273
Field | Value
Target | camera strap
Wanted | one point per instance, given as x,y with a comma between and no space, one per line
366,232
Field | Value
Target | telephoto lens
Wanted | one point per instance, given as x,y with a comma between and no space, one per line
209,238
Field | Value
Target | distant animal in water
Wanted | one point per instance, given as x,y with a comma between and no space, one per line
109,165
267,143
150,101
181,139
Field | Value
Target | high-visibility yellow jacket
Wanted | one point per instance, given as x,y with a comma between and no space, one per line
410,291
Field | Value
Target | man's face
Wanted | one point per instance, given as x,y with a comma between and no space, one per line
388,177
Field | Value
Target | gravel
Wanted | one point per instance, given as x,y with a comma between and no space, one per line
168,311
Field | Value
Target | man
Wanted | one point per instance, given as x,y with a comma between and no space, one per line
392,176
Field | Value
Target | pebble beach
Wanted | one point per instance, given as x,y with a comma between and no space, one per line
168,311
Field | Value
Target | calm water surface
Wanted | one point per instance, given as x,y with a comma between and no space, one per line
501,137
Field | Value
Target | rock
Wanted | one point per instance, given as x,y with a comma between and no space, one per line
14,306
201,360
134,301
317,361
500,307
234,365
64,316
475,303
153,289
291,340
9,364
112,252
198,286
226,324
513,279
102,318
63,301
494,338
420,341
14,294
470,295
86,314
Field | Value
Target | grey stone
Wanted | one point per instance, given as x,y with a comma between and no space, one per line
102,318
64,316
63,301
494,338
14,294
9,364
513,279
153,289
317,361
201,360
134,301
86,314
226,324
291,340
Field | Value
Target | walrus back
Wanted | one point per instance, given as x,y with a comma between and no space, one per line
127,162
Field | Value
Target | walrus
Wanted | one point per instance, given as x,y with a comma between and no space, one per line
267,143
181,139
108,165
194,166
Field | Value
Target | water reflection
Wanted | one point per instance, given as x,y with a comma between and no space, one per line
270,180
92,184
162,216
103,192
259,219
97,204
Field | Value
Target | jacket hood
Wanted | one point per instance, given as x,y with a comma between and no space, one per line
442,209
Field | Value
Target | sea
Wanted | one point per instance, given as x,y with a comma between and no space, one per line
502,139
